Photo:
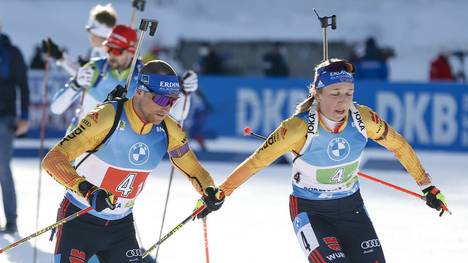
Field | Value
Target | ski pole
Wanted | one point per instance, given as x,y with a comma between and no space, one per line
152,24
137,5
404,190
44,104
324,23
42,231
175,229
249,132
171,176
205,235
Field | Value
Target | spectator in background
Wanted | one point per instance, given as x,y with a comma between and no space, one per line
164,54
373,65
274,63
13,75
37,62
440,68
209,62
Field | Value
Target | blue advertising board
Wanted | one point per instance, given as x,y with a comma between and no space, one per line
430,116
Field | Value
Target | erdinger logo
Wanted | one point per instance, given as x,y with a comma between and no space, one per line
134,253
338,149
166,84
138,153
368,244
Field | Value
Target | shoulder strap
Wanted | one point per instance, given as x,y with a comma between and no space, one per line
118,114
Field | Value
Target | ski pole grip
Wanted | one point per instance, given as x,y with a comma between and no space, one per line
144,24
333,23
153,27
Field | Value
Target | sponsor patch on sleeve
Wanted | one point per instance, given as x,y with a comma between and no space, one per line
179,152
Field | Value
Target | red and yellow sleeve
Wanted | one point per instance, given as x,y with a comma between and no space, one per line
90,131
183,158
290,136
379,131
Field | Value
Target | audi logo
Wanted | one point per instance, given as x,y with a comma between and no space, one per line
370,244
134,253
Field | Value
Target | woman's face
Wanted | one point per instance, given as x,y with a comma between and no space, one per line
335,100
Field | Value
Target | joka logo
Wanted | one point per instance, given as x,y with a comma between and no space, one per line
368,244
138,153
311,123
338,149
359,121
332,243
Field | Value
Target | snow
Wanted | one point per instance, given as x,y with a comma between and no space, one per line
417,29
254,225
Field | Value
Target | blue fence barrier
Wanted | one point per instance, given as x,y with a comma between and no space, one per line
429,116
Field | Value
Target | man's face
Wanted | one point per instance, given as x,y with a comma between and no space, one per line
119,58
150,110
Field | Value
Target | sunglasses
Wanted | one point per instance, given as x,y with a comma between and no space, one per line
115,51
339,66
163,101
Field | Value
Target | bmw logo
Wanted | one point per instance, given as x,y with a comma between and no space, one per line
338,149
138,153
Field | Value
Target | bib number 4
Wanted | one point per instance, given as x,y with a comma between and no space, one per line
126,186
338,176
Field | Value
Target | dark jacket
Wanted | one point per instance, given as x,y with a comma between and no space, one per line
13,75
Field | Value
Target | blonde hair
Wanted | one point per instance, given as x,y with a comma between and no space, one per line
307,103
104,14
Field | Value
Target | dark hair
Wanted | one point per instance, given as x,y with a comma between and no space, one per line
157,67
105,15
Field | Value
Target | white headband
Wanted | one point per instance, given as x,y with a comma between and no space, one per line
99,29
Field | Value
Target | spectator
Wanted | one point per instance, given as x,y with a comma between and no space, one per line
13,75
441,69
274,63
373,65
209,62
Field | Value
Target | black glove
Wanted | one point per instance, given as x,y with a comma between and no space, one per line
98,198
213,198
435,199
82,61
48,46
139,5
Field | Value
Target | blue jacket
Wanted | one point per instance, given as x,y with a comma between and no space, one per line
13,75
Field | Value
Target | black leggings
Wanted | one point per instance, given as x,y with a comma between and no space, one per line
338,231
110,240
